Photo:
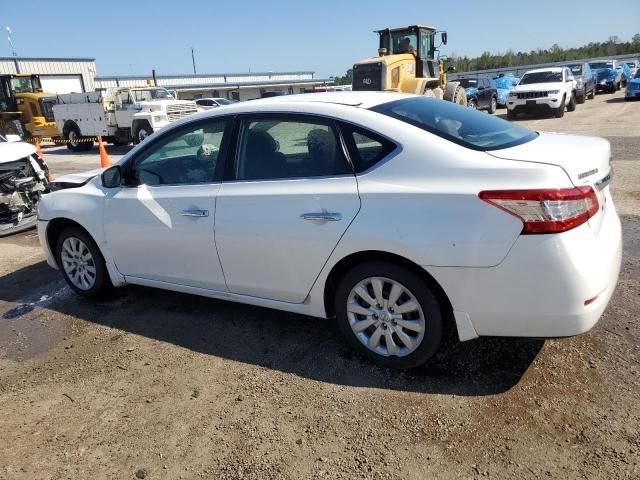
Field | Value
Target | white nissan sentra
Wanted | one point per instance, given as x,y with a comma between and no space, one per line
395,214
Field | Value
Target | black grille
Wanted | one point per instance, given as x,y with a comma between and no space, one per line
532,95
602,75
367,77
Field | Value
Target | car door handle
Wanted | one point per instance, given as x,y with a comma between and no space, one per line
195,213
322,216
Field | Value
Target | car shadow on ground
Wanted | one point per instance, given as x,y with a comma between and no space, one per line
305,346
615,100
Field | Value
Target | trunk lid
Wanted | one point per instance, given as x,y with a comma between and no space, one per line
586,160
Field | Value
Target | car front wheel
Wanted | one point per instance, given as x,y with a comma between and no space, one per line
82,264
389,315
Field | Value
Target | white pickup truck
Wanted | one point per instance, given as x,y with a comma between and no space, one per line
119,115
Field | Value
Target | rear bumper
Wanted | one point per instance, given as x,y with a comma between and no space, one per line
540,289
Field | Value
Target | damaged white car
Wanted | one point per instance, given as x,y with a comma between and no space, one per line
24,178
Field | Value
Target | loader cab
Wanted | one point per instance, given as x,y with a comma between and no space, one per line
11,86
419,40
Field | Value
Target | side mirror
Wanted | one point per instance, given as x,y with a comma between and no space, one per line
11,137
443,36
112,177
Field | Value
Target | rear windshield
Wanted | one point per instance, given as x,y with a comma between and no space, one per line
464,126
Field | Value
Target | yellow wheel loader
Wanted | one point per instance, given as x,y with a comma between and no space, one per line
407,63
25,109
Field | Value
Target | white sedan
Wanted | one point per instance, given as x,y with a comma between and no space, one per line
395,214
211,103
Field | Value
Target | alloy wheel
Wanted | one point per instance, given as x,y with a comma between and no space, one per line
78,263
385,317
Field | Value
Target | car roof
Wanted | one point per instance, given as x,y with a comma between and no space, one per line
548,69
347,98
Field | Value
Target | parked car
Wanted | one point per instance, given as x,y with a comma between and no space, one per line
633,66
209,103
24,178
394,213
633,87
585,81
625,74
481,93
608,78
504,84
543,90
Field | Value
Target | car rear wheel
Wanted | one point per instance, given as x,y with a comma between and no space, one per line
389,315
82,263
592,95
582,96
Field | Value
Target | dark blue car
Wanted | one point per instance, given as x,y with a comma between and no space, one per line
633,87
481,93
608,78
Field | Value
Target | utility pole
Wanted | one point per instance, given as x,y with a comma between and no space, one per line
193,59
13,49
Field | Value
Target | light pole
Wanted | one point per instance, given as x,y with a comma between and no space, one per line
13,49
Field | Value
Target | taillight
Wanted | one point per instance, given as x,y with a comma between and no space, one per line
548,210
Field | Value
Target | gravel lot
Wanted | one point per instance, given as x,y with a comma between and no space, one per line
155,384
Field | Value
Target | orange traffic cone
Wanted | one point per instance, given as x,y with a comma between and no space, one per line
104,158
38,149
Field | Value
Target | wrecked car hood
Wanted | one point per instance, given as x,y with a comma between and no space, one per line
12,151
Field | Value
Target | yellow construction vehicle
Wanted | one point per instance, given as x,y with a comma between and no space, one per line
25,109
407,63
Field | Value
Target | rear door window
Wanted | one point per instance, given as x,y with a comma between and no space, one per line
282,146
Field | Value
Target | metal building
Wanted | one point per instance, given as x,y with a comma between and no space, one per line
233,86
58,75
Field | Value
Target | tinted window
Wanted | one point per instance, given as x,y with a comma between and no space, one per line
281,147
468,82
461,125
366,148
187,156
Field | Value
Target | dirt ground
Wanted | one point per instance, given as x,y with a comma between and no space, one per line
160,385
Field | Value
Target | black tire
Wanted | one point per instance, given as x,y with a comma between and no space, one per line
75,141
142,131
511,114
582,96
572,103
559,113
421,292
493,105
592,95
102,284
617,87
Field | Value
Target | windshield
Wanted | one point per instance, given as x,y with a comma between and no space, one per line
403,42
223,101
577,69
601,65
541,77
468,82
25,84
464,126
144,95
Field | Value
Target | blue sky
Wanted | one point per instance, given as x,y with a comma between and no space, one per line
326,36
